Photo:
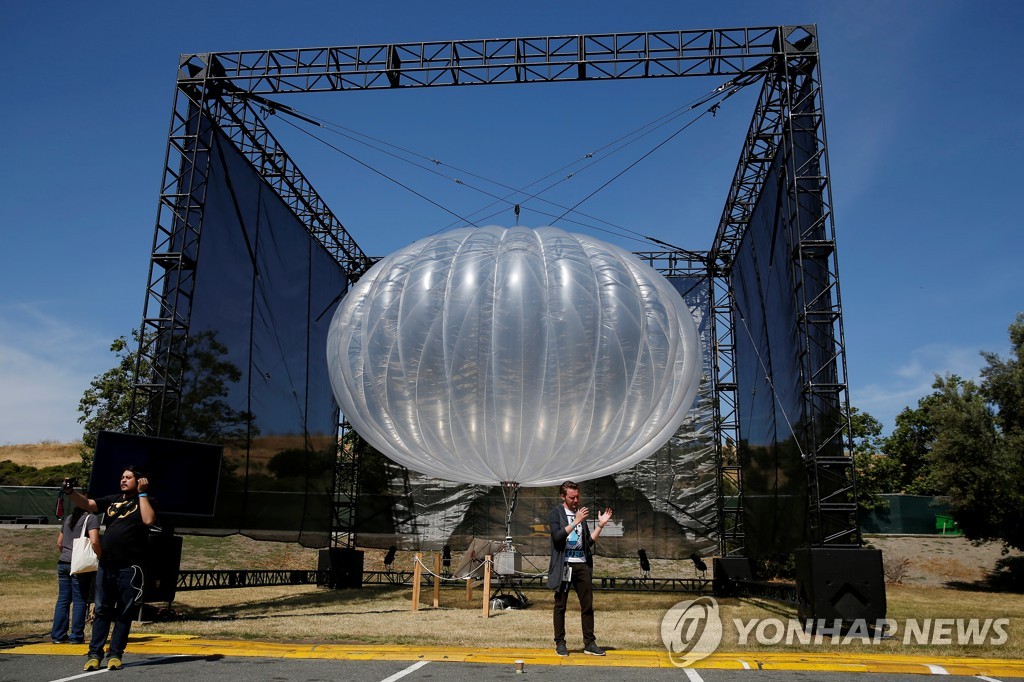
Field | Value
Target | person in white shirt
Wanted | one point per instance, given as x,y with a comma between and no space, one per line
572,564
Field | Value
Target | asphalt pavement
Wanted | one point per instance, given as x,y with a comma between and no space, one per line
187,657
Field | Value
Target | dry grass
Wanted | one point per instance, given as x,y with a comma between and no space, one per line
49,453
380,616
39,455
895,568
384,615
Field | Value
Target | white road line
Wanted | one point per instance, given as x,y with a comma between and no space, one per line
692,675
104,670
987,679
937,669
746,666
402,673
81,675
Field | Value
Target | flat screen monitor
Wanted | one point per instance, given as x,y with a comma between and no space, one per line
184,476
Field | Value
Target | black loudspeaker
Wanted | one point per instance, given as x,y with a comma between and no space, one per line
344,567
727,570
843,584
163,562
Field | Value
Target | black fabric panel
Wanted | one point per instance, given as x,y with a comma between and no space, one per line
266,290
769,376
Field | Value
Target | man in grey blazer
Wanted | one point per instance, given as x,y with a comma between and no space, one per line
572,564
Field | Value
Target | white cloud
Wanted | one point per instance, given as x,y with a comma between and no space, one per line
927,361
913,380
45,364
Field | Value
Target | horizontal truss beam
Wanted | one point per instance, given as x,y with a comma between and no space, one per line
603,56
676,263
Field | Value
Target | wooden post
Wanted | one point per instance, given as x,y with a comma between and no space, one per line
469,589
487,586
437,581
417,574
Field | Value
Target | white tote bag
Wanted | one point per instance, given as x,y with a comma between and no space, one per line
83,558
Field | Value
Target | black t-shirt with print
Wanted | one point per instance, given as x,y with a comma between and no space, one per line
125,541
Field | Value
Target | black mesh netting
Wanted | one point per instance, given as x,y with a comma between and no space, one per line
256,376
776,287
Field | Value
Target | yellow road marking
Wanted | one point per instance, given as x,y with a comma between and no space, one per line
189,645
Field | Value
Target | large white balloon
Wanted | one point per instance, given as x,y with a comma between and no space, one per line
485,355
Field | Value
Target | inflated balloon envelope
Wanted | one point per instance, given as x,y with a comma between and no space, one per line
492,355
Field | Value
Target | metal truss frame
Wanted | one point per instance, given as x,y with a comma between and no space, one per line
725,410
191,581
790,109
832,499
712,52
228,89
346,488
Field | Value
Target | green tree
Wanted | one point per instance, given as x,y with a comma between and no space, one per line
206,413
866,432
21,474
876,473
104,405
977,456
909,446
1002,383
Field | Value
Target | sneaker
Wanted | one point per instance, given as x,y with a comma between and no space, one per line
92,664
561,650
115,663
593,649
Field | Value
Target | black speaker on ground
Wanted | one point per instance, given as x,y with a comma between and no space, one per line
344,567
843,584
727,570
163,562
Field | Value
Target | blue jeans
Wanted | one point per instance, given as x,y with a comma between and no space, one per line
118,595
72,593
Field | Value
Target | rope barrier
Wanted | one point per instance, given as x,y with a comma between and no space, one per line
465,578
453,578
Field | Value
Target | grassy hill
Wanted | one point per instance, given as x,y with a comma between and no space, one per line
41,455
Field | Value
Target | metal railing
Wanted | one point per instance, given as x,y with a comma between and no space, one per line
232,579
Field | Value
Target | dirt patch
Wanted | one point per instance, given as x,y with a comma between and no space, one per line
936,561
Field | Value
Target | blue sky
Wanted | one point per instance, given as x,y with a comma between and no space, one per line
923,103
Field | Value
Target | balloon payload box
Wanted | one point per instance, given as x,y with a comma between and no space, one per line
508,562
